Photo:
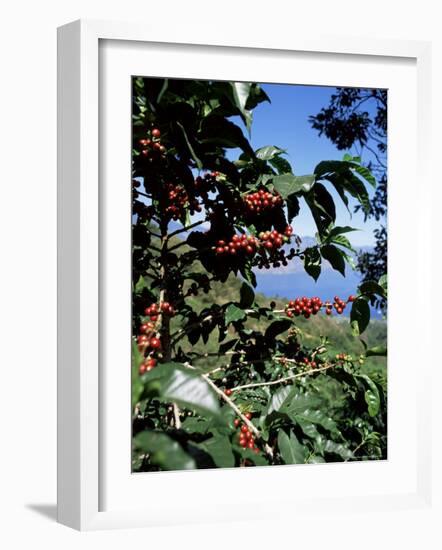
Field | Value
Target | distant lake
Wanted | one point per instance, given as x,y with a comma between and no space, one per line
292,285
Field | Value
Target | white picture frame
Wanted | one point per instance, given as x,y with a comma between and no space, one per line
81,441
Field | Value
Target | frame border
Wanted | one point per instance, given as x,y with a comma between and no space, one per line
78,250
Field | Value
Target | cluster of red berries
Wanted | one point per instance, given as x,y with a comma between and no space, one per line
238,244
178,201
309,363
149,327
268,241
303,306
311,306
154,309
147,339
338,304
245,436
272,240
144,342
151,146
261,201
206,183
148,365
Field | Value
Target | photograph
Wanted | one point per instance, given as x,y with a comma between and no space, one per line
259,274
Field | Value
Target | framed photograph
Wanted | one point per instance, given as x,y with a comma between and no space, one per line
232,273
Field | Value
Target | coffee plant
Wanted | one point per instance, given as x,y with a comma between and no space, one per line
221,379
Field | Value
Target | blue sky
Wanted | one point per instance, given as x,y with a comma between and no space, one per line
284,122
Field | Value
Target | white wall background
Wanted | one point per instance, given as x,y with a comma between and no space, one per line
28,266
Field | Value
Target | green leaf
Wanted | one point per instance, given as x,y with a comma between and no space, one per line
292,451
241,92
247,272
173,382
220,131
359,316
316,417
315,459
333,255
322,206
277,400
351,158
220,449
340,174
338,230
354,186
307,427
191,150
293,207
372,397
196,424
257,459
365,173
247,296
163,90
312,262
234,313
329,167
137,385
339,449
383,282
298,402
277,327
226,346
380,351
287,184
341,240
163,451
282,165
268,152
371,287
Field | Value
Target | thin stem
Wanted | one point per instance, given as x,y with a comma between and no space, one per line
157,235
184,229
164,320
250,425
281,380
179,245
380,162
361,444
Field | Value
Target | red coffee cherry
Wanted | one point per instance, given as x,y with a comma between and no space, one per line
178,200
239,244
142,369
156,133
155,343
151,362
261,201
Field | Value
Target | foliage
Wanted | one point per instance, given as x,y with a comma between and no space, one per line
358,117
220,376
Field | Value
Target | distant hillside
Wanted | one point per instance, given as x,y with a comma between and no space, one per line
337,329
